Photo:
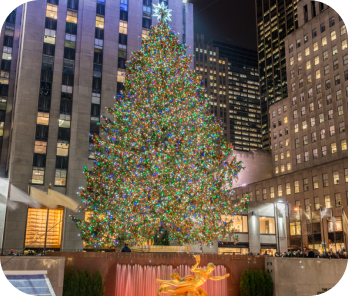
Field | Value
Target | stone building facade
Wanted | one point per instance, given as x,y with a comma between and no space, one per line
68,64
309,138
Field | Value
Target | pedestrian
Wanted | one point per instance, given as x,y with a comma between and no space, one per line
126,249
310,254
265,254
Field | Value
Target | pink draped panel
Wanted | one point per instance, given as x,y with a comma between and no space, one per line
137,280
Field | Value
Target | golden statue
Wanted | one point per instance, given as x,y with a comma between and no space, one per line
189,285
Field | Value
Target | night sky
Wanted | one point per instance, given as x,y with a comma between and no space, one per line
233,21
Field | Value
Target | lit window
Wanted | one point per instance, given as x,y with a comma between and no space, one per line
321,118
38,175
296,128
43,118
70,37
291,61
299,57
306,156
343,145
267,225
297,187
318,89
71,16
285,119
276,157
323,41
332,130
322,134
282,155
329,99
99,23
340,110
333,148
98,43
60,178
334,50
327,201
62,149
282,168
276,170
288,189
280,191
51,11
344,44
325,55
338,204
342,127
343,30
315,153
333,35
298,158
308,65
120,75
304,124
335,65
345,59
288,166
312,121
123,27
315,46
50,36
287,142
307,51
40,147
311,107
316,60
145,33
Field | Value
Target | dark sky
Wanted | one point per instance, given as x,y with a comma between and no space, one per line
226,20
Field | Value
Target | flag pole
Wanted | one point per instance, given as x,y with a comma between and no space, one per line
48,211
310,207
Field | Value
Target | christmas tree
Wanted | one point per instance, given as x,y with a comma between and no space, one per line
160,164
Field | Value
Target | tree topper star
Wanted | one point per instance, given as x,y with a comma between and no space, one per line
162,12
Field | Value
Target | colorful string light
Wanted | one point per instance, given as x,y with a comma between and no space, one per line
160,163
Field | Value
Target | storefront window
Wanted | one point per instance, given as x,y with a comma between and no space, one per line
267,225
233,251
240,223
36,228
337,222
270,252
295,228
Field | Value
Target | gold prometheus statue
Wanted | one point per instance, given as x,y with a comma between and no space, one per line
189,285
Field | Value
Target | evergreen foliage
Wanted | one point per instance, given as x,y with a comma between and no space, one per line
255,283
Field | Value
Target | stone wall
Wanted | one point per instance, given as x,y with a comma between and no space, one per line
53,265
304,277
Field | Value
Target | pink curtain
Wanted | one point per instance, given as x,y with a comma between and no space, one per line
137,280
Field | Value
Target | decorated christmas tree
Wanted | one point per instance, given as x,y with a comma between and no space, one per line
160,163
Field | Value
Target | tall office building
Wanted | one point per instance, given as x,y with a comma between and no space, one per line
63,62
230,76
275,20
309,135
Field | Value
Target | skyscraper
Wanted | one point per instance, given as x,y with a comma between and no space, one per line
230,76
63,62
275,20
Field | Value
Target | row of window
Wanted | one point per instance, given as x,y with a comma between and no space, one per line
5,69
314,33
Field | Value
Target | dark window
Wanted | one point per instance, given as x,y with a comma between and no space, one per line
44,104
100,9
71,28
49,49
123,15
96,87
11,17
51,23
73,4
122,63
147,2
99,33
98,57
46,75
146,22
41,132
62,162
313,9
120,87
322,27
65,107
95,110
53,2
68,79
332,21
63,134
314,33
39,160
3,89
68,66
305,13
45,89
69,53
94,127
122,39
5,65
321,7
47,62
2,115
8,41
